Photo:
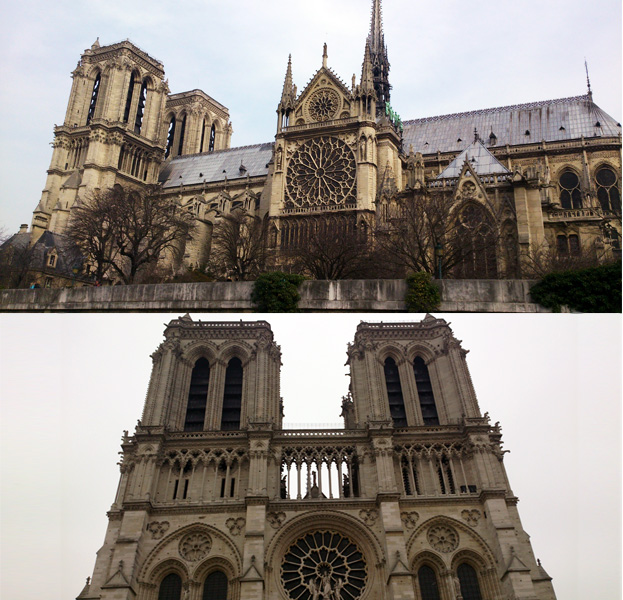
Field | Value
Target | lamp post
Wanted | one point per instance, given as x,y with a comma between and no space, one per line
75,270
439,256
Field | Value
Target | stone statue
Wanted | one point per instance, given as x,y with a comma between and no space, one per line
337,589
326,592
314,589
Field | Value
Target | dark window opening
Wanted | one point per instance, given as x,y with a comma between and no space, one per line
442,483
223,488
570,195
468,488
608,192
215,587
574,245
170,137
470,589
232,487
562,245
203,135
94,94
394,393
128,101
212,138
175,487
180,146
197,396
232,397
185,495
427,579
425,392
445,463
140,110
170,588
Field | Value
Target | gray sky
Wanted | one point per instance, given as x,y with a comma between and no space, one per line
72,383
446,56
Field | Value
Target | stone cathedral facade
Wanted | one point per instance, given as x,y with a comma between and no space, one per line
530,177
409,501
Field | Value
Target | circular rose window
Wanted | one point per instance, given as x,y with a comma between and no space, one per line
321,173
324,565
323,105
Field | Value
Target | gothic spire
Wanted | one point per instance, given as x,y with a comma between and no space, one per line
287,99
378,55
367,77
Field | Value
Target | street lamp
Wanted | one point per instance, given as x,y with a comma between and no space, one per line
75,270
439,256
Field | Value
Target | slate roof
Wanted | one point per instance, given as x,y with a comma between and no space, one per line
480,160
211,167
549,120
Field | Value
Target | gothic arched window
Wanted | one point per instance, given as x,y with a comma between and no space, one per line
170,588
94,94
203,134
170,137
232,396
180,146
607,190
128,101
425,392
568,245
197,396
394,393
470,588
570,196
475,245
140,109
429,589
212,138
215,586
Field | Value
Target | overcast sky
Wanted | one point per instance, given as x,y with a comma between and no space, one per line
72,383
446,56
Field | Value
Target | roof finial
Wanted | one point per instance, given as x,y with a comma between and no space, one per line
324,56
588,81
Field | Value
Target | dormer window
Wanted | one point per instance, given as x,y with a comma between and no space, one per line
52,257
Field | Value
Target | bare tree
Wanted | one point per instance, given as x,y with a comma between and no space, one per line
423,224
333,249
128,230
239,246
16,261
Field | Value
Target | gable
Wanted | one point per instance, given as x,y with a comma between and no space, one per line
325,98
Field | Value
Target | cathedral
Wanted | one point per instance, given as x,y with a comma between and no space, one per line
410,500
516,180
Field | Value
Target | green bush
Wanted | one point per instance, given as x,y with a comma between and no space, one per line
594,290
422,294
277,292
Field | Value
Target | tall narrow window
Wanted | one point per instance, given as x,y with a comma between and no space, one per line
562,245
197,396
180,146
570,196
170,137
128,101
94,94
574,245
232,398
170,588
140,110
470,588
607,190
203,135
212,138
215,586
394,393
425,392
427,579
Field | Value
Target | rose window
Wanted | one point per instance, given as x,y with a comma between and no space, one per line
324,565
323,105
321,173
195,546
443,538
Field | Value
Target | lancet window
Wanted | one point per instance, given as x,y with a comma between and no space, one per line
323,472
212,138
197,396
232,396
470,588
568,245
425,392
570,196
140,110
180,146
203,134
170,137
476,244
215,586
128,101
427,579
94,95
394,393
608,192
170,587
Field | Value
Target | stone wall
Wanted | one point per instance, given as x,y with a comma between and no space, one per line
372,295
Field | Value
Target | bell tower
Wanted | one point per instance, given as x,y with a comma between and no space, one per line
112,132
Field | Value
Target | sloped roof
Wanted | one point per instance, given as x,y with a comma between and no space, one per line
211,167
549,120
480,160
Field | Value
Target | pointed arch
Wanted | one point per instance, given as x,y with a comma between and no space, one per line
170,136
134,77
197,396
395,398
146,85
182,134
425,392
95,92
232,395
